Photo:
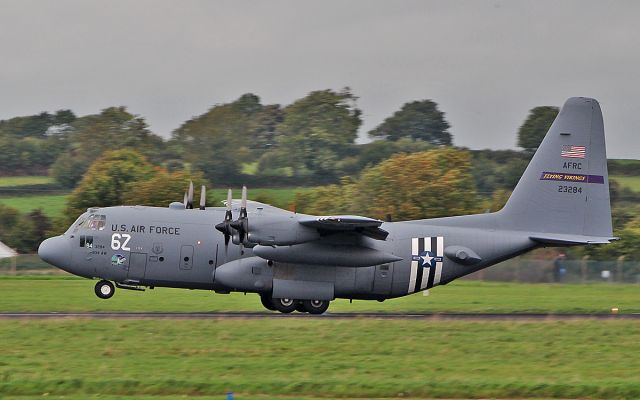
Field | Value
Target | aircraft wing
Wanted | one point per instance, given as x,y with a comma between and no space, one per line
346,223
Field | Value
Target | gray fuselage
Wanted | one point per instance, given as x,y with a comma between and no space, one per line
152,246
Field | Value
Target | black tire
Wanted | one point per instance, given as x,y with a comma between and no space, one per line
267,301
285,305
300,307
104,289
316,306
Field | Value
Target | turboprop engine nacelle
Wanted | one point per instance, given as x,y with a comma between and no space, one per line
280,230
325,254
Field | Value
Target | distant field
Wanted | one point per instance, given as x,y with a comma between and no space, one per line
7,181
66,293
631,182
52,205
316,358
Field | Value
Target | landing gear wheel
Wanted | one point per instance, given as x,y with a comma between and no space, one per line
285,305
267,301
315,306
300,307
104,289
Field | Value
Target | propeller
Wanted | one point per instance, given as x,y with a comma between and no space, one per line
189,197
225,226
242,223
203,197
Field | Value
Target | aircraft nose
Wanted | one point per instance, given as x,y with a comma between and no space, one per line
56,251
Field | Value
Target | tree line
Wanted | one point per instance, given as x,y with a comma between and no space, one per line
310,141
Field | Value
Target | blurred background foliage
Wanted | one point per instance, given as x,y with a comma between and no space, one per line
303,156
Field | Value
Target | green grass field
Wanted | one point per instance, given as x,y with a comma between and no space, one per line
630,182
51,205
318,358
9,181
65,293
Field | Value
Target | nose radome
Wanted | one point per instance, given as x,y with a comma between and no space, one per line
55,251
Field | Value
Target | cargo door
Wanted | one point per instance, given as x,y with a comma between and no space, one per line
383,279
186,257
137,266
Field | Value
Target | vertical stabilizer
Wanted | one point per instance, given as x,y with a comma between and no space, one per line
565,189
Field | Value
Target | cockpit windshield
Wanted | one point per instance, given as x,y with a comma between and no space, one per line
76,225
95,222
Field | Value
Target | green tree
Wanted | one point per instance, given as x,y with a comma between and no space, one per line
379,150
418,120
164,188
114,128
536,125
29,231
498,169
429,184
628,245
8,218
315,133
227,136
107,181
30,144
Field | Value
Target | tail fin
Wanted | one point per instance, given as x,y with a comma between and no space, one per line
563,196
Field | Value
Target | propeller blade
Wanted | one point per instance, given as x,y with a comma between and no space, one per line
225,226
185,200
244,198
242,223
190,196
203,197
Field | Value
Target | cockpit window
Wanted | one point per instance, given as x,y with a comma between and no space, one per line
76,225
95,222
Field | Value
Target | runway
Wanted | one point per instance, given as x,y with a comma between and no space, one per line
326,316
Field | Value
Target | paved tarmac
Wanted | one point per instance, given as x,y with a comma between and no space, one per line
326,316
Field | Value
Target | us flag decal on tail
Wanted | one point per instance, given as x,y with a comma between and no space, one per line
573,151
426,262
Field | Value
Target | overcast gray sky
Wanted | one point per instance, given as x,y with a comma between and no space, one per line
485,62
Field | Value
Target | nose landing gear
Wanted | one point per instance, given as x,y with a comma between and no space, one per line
104,289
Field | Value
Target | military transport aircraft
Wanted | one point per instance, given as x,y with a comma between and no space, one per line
302,262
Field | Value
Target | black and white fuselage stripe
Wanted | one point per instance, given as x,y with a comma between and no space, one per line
429,274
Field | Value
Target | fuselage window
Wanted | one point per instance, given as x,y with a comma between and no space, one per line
77,225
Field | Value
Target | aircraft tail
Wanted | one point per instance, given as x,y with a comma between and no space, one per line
563,196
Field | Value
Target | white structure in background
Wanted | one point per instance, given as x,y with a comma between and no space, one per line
8,252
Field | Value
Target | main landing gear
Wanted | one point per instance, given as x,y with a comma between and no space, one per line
104,289
290,305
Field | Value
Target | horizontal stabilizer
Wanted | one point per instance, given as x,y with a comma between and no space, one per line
560,239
